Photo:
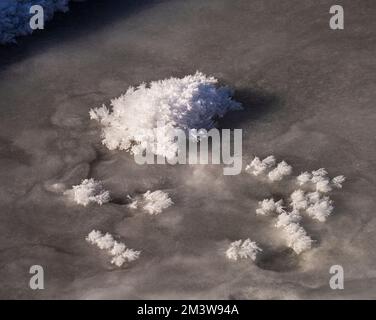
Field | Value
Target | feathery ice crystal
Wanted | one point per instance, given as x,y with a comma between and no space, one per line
257,167
15,16
118,250
314,203
152,202
299,200
277,174
143,115
320,209
297,238
89,191
320,179
243,250
268,206
260,167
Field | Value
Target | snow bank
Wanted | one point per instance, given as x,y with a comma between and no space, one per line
15,16
145,117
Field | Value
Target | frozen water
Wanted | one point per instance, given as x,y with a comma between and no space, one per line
308,94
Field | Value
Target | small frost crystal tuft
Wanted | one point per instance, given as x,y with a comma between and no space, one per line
152,202
337,181
257,167
319,178
267,166
285,218
297,238
321,209
145,118
120,253
303,178
277,174
105,242
89,191
243,250
315,204
299,200
268,206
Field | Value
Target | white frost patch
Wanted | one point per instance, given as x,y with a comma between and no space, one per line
316,206
337,181
152,202
243,250
145,117
303,178
257,167
269,206
299,200
282,170
267,166
319,178
15,16
286,218
314,203
118,250
89,191
320,209
297,238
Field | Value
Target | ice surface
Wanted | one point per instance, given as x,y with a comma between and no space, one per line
308,94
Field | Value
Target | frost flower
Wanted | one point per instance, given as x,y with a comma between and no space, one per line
118,250
320,209
243,250
297,238
268,206
152,202
278,173
257,167
145,118
303,178
298,200
89,191
337,181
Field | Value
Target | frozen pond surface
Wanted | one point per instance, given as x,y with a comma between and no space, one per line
309,94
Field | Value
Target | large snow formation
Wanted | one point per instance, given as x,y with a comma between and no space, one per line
145,118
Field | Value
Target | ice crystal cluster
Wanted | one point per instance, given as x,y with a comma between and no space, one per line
118,250
152,202
15,16
313,200
145,117
268,167
89,191
243,250
320,180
